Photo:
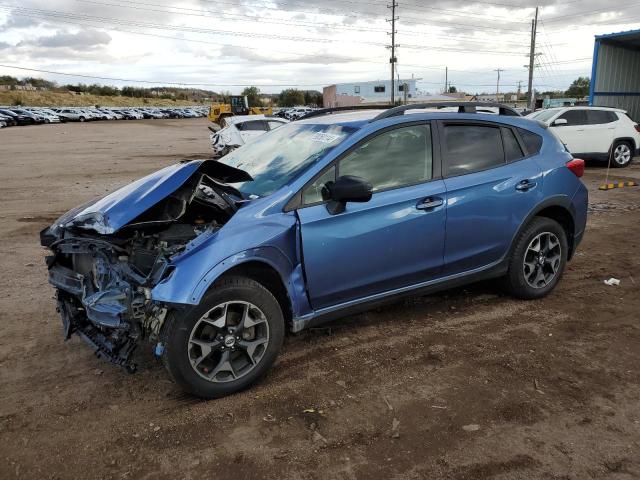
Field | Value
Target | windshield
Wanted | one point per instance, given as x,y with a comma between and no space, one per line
276,158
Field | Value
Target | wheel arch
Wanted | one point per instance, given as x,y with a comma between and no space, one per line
629,140
556,208
267,276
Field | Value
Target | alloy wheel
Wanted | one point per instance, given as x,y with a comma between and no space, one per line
542,260
228,341
622,154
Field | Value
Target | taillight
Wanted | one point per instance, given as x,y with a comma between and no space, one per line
637,127
576,166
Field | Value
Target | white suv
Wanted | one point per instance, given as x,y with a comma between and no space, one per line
594,133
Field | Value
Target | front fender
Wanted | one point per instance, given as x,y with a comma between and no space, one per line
182,288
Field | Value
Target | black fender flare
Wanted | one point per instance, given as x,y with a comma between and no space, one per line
558,201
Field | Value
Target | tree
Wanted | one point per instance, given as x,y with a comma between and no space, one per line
253,96
453,89
313,98
579,88
290,97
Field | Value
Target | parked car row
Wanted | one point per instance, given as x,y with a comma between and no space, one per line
294,113
14,116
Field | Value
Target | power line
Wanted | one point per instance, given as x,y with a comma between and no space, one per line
209,14
64,16
160,82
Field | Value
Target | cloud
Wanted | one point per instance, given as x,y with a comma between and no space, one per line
251,55
81,40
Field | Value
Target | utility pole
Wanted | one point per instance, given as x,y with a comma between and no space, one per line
446,79
498,83
532,59
393,58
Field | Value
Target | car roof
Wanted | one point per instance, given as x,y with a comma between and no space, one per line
360,118
356,118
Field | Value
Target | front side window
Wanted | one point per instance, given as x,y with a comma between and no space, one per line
574,117
316,192
278,157
395,158
379,89
472,148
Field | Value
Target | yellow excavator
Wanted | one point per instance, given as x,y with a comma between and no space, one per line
239,106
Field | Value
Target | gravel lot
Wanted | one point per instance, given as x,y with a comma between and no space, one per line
468,384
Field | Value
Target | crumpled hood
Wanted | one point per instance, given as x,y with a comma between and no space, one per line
109,214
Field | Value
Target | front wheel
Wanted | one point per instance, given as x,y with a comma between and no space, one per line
227,342
538,259
621,155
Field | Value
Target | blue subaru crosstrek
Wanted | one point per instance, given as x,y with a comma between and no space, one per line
210,262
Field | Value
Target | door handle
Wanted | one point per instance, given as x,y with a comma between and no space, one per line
430,203
525,185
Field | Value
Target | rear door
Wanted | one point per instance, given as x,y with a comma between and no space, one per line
599,130
396,239
492,182
572,133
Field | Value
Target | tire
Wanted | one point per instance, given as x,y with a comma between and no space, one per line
82,119
188,363
621,154
524,278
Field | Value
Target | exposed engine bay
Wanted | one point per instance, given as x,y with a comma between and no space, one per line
104,281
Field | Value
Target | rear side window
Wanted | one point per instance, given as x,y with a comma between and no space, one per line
512,149
599,117
532,141
472,148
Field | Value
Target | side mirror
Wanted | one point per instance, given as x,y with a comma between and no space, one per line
559,122
347,188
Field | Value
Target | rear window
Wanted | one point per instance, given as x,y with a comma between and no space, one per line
532,141
253,125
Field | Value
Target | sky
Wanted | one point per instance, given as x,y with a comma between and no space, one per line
225,45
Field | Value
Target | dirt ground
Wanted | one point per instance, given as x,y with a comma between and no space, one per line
467,384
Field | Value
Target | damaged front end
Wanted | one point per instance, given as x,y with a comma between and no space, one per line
108,255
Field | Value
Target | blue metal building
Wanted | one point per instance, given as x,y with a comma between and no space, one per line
615,75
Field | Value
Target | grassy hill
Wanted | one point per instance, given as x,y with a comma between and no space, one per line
66,99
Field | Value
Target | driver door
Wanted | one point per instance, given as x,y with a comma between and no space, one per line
393,241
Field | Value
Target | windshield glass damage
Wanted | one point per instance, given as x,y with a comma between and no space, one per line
275,159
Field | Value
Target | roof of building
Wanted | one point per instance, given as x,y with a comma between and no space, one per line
629,37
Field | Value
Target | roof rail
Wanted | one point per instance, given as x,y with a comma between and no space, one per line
463,107
326,111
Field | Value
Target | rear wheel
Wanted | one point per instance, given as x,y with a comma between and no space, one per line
82,119
622,154
227,342
538,259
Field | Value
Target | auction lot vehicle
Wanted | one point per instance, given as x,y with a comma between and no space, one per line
242,129
594,133
212,261
239,105
19,118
